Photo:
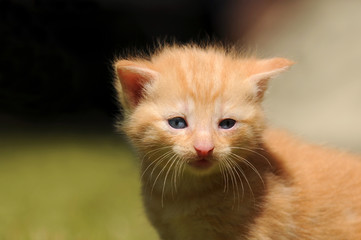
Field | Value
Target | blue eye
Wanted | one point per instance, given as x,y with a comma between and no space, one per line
227,123
177,123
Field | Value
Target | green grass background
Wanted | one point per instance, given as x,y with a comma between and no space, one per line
77,187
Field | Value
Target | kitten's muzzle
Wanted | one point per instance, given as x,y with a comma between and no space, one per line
204,153
202,163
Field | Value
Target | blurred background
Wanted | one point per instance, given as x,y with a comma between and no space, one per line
65,173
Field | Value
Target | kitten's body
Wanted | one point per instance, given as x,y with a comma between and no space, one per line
311,193
207,180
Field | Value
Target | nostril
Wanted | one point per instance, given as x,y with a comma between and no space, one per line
204,151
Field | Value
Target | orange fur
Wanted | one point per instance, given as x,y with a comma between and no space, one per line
257,183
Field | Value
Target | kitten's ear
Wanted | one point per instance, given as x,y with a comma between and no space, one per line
266,69
133,77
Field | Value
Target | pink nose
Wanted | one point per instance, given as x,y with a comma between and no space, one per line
204,151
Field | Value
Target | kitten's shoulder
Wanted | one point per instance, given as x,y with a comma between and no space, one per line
281,141
311,161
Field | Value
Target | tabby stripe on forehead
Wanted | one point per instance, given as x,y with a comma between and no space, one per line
185,74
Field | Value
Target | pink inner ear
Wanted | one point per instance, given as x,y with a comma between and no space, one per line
133,78
132,84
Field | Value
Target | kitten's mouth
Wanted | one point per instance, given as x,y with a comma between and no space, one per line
201,163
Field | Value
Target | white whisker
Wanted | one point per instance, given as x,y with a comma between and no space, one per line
166,175
175,173
154,162
159,161
154,151
160,172
245,178
248,163
239,177
255,152
232,177
222,170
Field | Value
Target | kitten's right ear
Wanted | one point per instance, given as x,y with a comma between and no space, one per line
132,77
265,69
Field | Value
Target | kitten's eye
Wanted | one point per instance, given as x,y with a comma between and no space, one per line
227,123
177,123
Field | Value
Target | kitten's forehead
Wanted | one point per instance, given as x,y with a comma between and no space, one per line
204,76
203,86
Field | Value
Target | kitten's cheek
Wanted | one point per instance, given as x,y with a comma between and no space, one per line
180,151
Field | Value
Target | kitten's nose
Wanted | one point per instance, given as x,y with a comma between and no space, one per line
204,150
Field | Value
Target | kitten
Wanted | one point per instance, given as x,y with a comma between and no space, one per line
211,169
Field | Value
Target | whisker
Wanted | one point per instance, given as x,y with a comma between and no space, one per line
225,177
248,163
235,173
154,151
166,175
248,183
153,162
184,166
226,171
173,189
159,161
160,172
239,177
221,168
258,148
175,172
255,152
232,177
244,176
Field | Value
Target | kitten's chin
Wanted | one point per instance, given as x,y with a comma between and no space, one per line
201,164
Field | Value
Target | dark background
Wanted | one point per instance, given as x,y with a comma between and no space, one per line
56,56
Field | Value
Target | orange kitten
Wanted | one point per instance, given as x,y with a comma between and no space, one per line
212,170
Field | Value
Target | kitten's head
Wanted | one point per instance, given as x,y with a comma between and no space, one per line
194,105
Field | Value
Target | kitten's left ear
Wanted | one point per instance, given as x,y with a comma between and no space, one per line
133,77
265,69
